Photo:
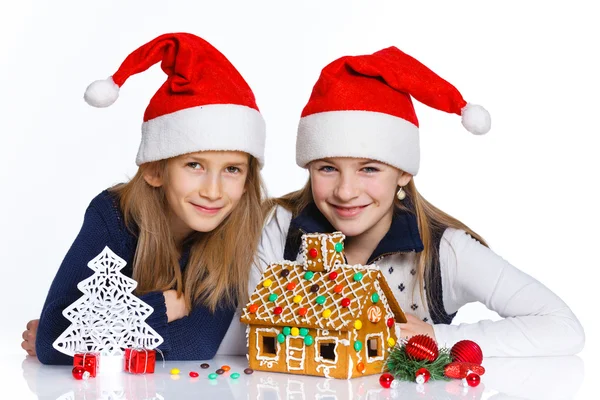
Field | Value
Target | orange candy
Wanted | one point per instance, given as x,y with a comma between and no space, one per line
338,288
225,367
360,367
252,308
302,311
291,286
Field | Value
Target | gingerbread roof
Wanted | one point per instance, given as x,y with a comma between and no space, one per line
289,294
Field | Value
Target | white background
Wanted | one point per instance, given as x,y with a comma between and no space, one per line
529,186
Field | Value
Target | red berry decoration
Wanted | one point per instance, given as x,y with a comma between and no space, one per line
333,275
422,347
390,322
473,380
345,302
459,370
466,351
386,380
422,375
278,310
313,253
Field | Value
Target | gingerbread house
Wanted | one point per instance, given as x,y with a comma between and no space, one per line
320,316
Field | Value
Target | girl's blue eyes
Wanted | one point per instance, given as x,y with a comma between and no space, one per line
196,166
369,170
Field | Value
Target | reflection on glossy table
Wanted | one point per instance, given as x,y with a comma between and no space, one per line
505,378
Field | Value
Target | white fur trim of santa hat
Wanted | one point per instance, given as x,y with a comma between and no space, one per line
361,134
224,127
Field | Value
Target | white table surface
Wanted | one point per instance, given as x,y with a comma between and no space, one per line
505,378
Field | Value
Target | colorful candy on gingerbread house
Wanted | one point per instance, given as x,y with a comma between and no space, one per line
320,316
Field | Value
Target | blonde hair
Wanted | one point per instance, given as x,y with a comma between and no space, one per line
431,221
219,262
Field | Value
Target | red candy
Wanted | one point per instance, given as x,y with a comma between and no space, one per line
313,253
302,311
252,308
338,288
277,310
333,275
291,286
390,322
345,302
194,374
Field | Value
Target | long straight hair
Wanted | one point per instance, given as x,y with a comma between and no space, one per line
219,262
430,219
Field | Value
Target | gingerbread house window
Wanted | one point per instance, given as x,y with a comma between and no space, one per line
374,347
267,343
327,350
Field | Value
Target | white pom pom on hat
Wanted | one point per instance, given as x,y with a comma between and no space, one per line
101,93
476,119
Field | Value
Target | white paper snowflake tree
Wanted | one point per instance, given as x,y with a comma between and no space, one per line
108,317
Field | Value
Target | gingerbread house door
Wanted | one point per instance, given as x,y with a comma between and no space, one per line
295,353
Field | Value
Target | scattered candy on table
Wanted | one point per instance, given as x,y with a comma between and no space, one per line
193,374
225,367
220,371
212,376
235,375
204,365
248,371
175,371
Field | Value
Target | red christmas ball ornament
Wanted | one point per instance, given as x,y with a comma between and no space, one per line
466,351
422,376
78,372
422,347
386,380
473,379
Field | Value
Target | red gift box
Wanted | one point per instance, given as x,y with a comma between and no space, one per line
140,361
88,361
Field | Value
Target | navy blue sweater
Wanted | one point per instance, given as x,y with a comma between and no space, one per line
195,337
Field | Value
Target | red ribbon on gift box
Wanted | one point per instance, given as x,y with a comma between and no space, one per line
89,361
140,361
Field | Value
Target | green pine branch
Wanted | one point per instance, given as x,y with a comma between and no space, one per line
404,367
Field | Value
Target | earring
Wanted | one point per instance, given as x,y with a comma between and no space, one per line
401,194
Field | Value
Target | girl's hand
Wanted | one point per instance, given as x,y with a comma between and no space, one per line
28,343
414,326
176,307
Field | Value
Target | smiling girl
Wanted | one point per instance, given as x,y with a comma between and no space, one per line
179,221
359,139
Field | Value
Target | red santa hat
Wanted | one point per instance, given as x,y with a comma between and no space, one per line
205,104
361,107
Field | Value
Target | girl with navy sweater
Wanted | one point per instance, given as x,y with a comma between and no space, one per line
359,139
179,221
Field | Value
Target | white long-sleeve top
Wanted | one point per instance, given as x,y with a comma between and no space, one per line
536,322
